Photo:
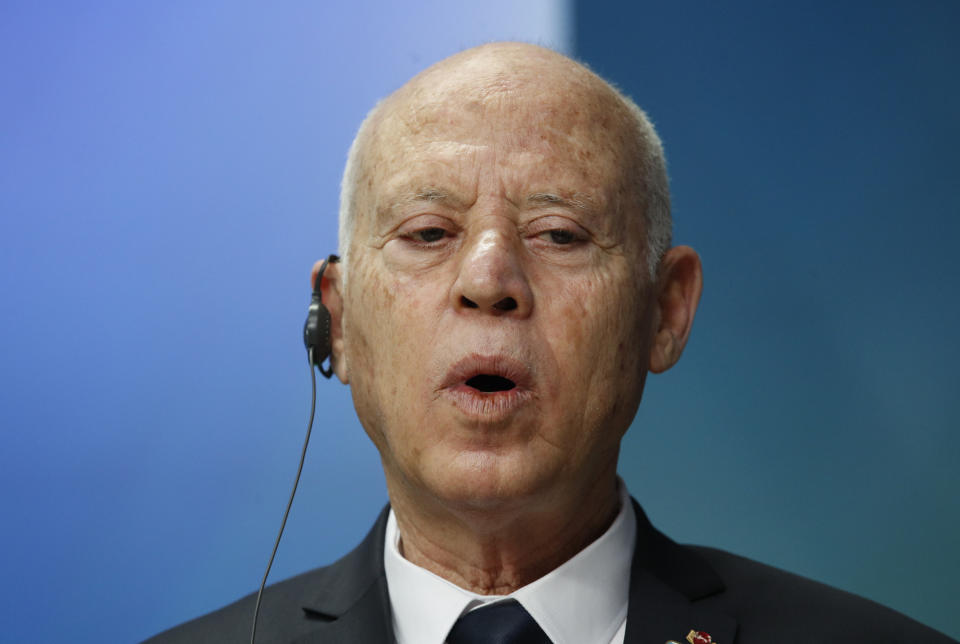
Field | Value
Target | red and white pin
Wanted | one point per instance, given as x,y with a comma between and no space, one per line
696,637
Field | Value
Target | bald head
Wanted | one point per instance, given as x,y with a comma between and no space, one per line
545,97
502,214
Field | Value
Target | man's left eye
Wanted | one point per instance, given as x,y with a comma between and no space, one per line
562,237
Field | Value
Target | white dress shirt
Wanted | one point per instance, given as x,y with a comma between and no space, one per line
584,601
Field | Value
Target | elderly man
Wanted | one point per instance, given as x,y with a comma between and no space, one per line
507,282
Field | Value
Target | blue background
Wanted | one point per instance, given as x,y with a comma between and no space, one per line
169,172
813,151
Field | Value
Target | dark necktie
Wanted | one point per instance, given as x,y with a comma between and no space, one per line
505,622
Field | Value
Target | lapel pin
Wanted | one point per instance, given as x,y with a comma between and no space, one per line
695,637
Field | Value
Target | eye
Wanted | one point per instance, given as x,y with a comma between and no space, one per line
428,235
560,236
556,233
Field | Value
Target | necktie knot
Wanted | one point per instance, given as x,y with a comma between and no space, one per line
505,622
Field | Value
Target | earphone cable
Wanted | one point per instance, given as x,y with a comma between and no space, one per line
296,481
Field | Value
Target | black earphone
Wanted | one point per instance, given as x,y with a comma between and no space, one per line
316,337
316,329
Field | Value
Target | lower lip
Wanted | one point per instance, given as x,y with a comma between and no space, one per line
491,407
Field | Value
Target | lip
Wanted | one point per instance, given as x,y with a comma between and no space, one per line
491,406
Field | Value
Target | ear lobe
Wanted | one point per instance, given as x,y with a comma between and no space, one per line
678,293
332,300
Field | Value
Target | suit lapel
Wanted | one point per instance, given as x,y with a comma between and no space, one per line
350,603
366,621
666,583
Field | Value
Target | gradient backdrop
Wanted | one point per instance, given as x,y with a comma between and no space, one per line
169,172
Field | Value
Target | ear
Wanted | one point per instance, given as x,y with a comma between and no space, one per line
332,299
679,284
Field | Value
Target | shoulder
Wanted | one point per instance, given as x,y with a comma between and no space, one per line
295,607
282,617
772,605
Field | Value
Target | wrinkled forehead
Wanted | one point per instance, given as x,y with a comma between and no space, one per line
575,125
554,96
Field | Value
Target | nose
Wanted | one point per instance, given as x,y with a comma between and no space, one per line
491,276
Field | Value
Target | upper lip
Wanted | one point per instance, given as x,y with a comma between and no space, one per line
495,364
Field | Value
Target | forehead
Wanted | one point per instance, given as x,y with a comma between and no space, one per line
545,135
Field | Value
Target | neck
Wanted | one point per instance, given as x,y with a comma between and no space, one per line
496,551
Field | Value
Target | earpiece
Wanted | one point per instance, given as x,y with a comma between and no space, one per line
316,329
316,337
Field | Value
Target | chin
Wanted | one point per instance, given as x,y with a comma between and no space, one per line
486,481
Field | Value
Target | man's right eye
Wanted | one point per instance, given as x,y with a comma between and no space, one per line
429,235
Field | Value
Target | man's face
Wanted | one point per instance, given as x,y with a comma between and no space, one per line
496,310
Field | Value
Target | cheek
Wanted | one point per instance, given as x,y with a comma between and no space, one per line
369,303
597,337
384,334
596,316
378,315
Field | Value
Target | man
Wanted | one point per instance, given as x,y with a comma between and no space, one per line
507,282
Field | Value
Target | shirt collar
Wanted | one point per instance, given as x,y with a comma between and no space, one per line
583,600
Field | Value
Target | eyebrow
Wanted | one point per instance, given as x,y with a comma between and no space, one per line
580,203
387,212
576,202
429,194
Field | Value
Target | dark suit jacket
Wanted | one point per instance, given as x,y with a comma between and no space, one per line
673,589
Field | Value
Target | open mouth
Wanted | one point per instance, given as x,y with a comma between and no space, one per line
490,389
490,383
